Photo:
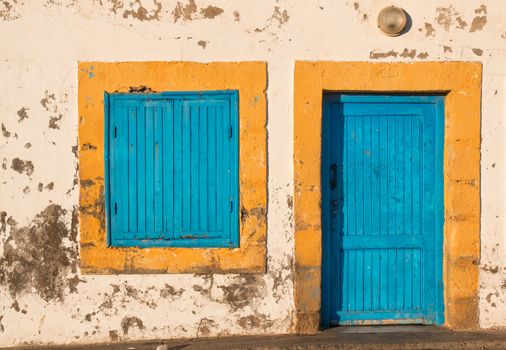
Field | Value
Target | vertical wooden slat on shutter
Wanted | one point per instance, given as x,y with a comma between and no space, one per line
194,168
220,164
150,166
211,168
187,168
132,173
203,170
158,167
168,171
141,173
178,167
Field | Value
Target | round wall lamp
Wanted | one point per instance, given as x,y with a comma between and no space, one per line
392,20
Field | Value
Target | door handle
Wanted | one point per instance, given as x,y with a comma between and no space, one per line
333,182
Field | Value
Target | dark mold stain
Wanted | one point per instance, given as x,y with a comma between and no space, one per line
281,16
50,105
170,292
28,145
139,89
26,190
42,255
408,53
278,17
74,150
141,13
255,321
47,101
259,213
478,23
87,183
237,16
53,122
129,322
210,12
356,6
2,328
3,221
429,29
279,287
289,201
5,133
491,269
490,295
423,55
184,12
88,147
140,296
113,335
461,24
22,114
40,186
15,306
239,294
477,52
4,164
9,10
116,5
204,327
445,16
202,43
50,186
22,166
377,55
73,282
481,9
447,49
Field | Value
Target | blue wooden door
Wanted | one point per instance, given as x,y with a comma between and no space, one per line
382,209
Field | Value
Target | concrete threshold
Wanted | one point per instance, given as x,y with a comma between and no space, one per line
350,338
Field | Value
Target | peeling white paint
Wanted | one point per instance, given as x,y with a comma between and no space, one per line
40,45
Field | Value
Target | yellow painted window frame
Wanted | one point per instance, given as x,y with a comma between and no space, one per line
250,79
460,82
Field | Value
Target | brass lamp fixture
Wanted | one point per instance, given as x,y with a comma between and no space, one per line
392,20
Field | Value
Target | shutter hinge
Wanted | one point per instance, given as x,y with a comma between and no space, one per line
115,132
231,205
115,208
230,132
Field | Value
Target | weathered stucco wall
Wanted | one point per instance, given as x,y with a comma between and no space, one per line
43,296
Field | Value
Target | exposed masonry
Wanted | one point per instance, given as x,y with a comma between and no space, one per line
449,16
52,106
406,53
41,256
10,10
189,11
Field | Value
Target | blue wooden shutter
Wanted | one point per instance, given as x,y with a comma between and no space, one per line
173,169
